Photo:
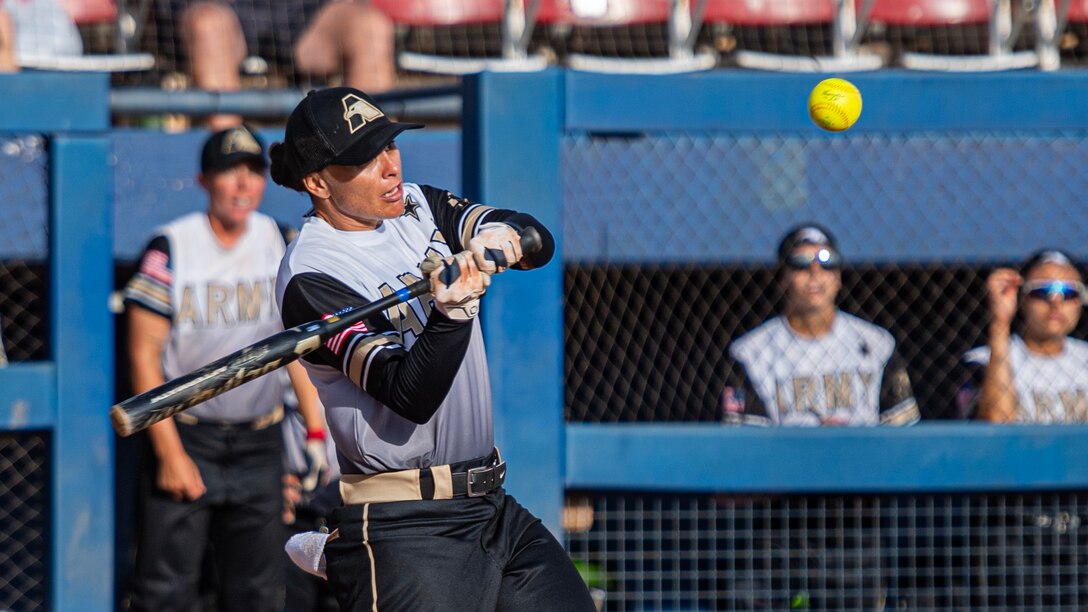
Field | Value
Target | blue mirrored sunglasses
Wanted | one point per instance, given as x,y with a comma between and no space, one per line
1050,289
826,258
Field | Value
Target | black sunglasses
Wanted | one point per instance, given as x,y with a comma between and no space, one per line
826,258
1049,289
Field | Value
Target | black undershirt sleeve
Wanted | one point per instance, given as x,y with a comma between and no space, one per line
458,218
413,383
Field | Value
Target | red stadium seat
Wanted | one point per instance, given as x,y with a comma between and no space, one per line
608,16
513,16
439,12
837,15
84,12
995,15
769,12
930,12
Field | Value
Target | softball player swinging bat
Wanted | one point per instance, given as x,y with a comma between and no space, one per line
426,523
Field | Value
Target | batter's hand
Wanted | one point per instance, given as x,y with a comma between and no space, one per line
179,478
1002,289
461,300
497,238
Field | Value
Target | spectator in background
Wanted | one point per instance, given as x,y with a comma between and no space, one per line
814,364
31,29
204,289
317,37
1040,376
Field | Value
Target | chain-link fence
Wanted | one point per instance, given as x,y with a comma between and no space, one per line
23,247
921,552
24,521
670,255
670,247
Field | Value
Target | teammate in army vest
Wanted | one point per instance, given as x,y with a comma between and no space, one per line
205,289
814,364
1040,375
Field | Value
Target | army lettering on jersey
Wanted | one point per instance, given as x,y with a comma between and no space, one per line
1049,388
218,300
218,305
851,376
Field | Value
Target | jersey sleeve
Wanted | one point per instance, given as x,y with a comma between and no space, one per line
413,383
151,286
897,403
459,220
741,404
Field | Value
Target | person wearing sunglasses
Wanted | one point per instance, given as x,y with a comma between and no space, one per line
814,364
1041,374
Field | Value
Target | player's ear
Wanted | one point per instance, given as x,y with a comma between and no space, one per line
316,185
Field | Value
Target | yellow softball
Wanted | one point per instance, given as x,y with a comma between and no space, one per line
834,104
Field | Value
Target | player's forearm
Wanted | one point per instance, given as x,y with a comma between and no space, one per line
519,221
308,404
165,441
997,398
415,386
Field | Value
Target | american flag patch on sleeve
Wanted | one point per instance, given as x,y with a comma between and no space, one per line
154,266
732,400
336,343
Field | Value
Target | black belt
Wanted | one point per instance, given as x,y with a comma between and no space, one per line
473,478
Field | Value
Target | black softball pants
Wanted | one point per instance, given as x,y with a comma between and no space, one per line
483,553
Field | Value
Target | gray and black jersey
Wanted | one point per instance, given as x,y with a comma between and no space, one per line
1049,388
218,300
850,376
410,388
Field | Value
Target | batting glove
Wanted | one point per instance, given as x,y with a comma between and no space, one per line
317,464
490,241
460,301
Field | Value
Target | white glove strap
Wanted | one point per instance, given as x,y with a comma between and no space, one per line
463,311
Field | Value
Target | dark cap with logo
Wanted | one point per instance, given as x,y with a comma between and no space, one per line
230,147
807,233
338,125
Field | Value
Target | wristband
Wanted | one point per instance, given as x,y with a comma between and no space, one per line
316,434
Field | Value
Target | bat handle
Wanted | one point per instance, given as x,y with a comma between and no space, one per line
530,243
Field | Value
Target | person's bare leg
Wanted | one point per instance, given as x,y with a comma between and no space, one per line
7,43
352,37
216,48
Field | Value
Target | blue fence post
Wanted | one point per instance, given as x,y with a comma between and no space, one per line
512,124
82,347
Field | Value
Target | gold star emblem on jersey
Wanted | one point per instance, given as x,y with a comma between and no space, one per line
411,208
358,112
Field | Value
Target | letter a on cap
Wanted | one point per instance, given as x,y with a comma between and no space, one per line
357,112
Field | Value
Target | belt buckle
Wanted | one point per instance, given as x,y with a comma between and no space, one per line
491,478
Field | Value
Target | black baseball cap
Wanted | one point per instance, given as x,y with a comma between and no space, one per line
230,147
808,233
338,125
